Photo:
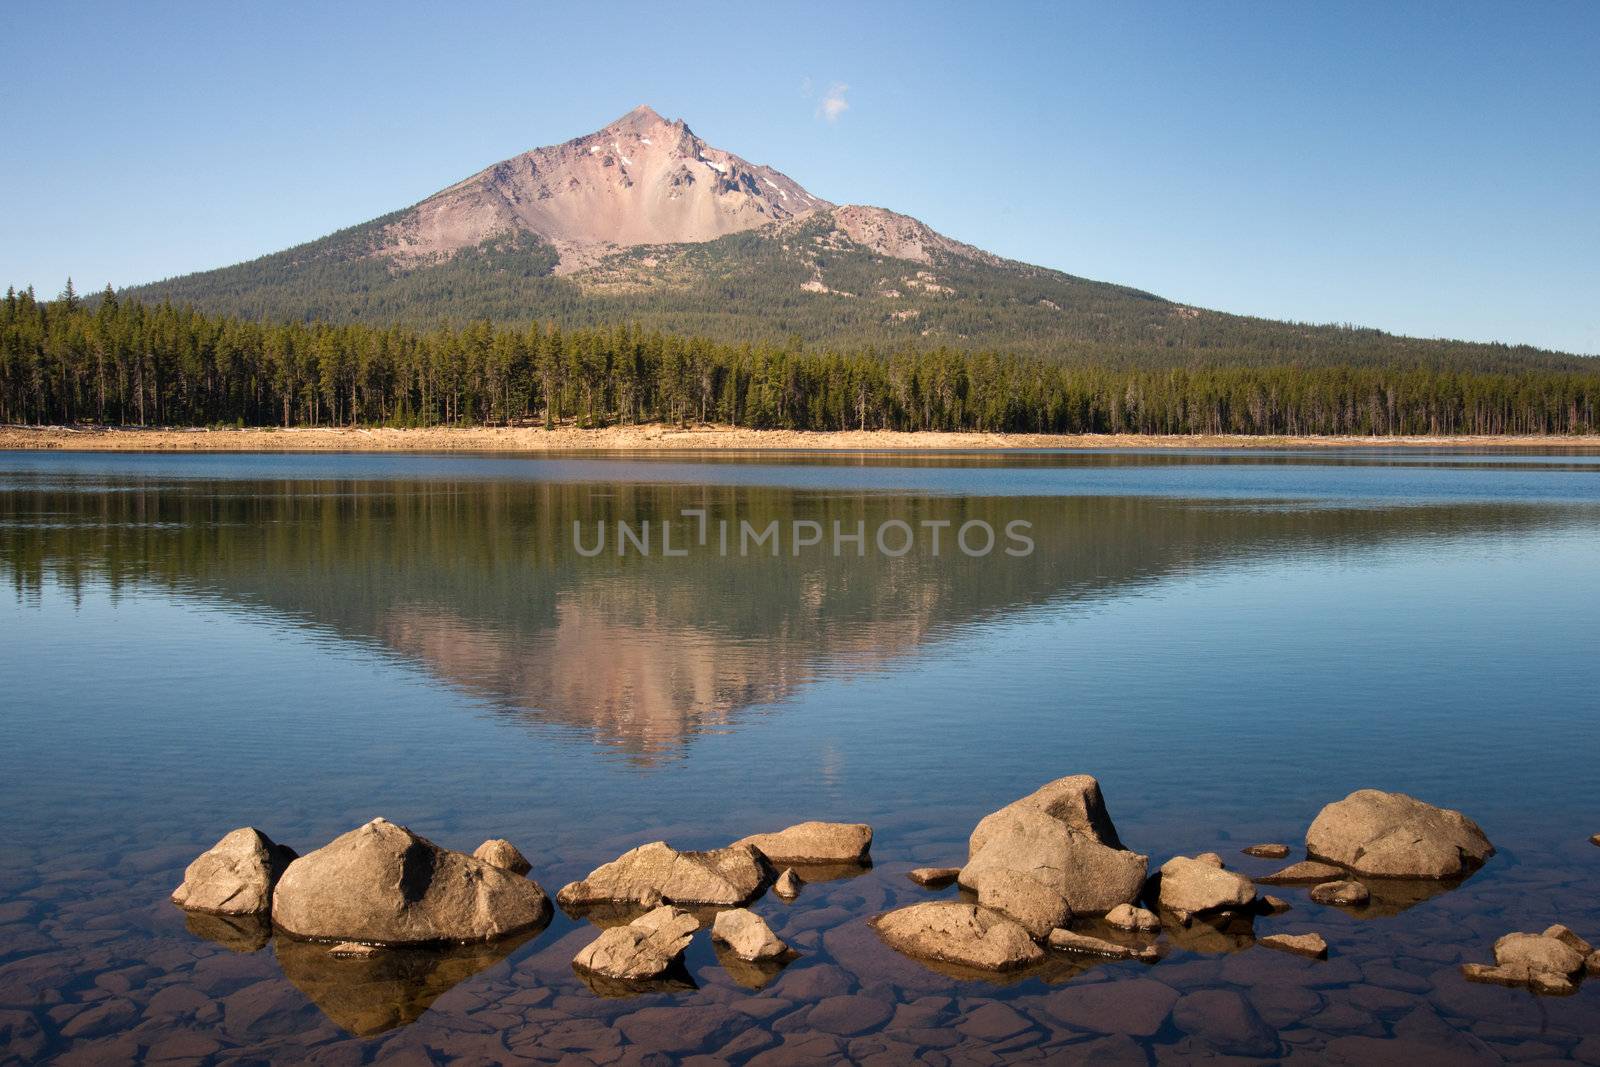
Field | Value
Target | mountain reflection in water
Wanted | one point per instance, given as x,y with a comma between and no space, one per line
479,582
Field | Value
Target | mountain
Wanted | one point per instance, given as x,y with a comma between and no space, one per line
642,221
640,181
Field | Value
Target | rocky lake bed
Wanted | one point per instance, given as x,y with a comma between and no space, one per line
210,988
380,925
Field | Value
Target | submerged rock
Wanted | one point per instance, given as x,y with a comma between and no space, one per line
1224,1021
934,877
1304,871
235,876
1270,852
948,931
725,877
1392,835
1268,904
382,884
1062,837
1345,893
1128,917
1085,945
788,884
1309,945
748,936
1200,885
815,842
498,852
642,950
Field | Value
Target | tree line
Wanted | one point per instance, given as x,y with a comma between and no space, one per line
115,361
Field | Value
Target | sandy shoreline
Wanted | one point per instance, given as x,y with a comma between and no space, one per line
664,438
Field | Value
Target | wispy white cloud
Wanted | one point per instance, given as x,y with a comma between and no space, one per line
833,102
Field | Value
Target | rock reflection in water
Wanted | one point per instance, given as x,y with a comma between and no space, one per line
362,995
674,980
391,988
818,873
751,974
1392,896
1211,937
236,933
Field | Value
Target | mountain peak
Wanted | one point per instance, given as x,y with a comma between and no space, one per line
640,180
642,113
641,119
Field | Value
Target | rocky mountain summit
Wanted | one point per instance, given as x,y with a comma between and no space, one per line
639,180
645,181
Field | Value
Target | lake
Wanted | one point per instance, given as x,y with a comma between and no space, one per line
1227,640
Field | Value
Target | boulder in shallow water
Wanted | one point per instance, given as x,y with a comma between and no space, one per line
1199,885
1568,938
1267,851
1061,836
1086,945
1302,872
1548,963
1128,917
948,931
1312,946
384,885
235,876
725,877
1345,893
788,885
1538,952
815,843
498,852
934,877
747,935
1494,974
642,950
1391,835
1029,903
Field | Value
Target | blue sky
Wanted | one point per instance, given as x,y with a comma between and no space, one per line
1426,168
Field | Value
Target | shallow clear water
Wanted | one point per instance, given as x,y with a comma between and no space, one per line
1227,640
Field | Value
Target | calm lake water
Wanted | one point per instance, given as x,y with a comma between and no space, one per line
1227,640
